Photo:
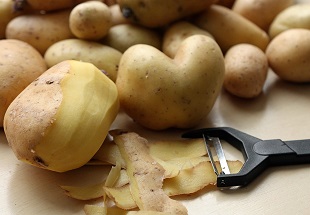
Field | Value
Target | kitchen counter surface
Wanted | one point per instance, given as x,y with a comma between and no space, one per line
281,112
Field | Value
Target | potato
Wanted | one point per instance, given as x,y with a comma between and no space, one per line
7,13
159,92
157,13
20,65
289,53
61,119
229,28
90,20
261,12
176,33
246,68
51,5
123,36
103,57
40,30
295,16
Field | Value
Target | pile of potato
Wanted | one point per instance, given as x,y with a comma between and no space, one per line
166,63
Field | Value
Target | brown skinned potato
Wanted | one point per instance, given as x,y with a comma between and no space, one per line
20,65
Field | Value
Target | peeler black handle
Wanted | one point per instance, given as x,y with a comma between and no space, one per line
284,152
259,154
267,153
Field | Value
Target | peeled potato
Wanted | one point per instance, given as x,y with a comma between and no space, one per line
61,119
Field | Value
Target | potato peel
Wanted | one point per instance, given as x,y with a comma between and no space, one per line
190,180
109,153
146,175
121,196
178,148
94,210
84,192
149,175
194,179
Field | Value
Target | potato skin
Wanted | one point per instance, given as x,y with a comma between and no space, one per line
295,16
246,68
289,53
229,28
20,65
159,92
40,30
102,56
90,20
261,12
123,36
43,104
158,13
176,33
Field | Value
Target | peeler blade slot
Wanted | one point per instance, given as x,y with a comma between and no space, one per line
220,154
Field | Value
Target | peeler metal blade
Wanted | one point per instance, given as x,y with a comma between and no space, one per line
220,154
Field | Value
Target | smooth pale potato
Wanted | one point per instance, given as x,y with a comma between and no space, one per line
261,12
123,36
159,92
246,68
178,32
103,57
229,28
158,13
90,20
20,64
40,30
295,16
289,55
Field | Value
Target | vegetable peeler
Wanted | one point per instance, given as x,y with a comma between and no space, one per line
258,154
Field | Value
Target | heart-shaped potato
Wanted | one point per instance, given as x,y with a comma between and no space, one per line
159,92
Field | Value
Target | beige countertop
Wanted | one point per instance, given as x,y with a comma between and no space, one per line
281,112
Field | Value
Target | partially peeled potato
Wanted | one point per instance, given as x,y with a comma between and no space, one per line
62,118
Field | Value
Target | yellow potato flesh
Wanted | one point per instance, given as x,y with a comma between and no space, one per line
84,193
121,196
178,148
95,110
109,153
